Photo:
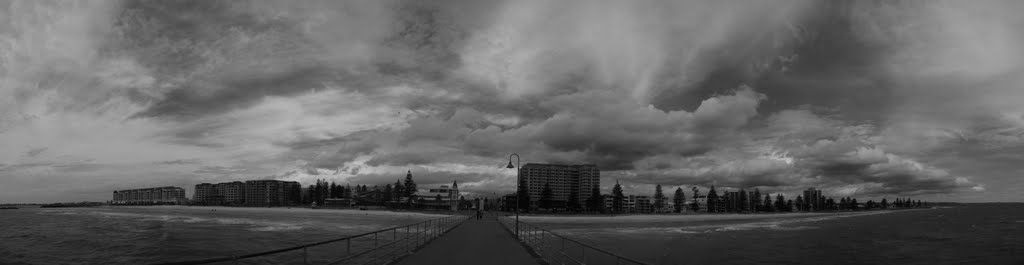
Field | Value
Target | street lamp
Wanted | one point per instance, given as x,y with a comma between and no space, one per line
518,183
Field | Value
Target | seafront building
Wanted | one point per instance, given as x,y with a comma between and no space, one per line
641,204
249,193
701,201
449,197
226,193
813,199
563,180
262,193
158,195
631,203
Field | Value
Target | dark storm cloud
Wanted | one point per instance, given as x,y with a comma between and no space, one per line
402,159
334,152
424,179
247,56
198,101
853,97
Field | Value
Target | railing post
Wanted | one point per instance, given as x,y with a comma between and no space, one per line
563,250
348,248
375,240
543,243
583,254
407,250
305,256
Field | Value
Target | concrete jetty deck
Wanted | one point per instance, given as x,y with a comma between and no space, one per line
474,242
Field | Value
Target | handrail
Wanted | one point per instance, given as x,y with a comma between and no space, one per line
527,235
441,225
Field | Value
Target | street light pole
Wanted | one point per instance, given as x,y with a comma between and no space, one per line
518,184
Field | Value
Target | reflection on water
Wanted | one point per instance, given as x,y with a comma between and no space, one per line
114,235
978,234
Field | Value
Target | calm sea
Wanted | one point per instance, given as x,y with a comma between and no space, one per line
144,235
969,234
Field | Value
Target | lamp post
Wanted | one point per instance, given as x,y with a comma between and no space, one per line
518,184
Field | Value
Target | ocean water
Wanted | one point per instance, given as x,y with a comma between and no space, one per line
145,235
968,234
971,234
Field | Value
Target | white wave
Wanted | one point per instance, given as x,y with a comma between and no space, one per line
776,225
791,228
57,213
273,228
255,225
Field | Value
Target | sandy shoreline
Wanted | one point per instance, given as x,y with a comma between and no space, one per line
287,210
682,218
546,219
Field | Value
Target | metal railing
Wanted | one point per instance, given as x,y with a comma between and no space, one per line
376,247
557,249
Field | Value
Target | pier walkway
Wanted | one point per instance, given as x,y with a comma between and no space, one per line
482,241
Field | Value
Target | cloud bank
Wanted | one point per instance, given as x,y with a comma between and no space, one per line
862,99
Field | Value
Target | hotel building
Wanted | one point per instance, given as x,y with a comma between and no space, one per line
221,193
813,199
271,193
149,195
563,180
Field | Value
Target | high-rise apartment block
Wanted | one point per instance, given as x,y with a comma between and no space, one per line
149,196
227,193
813,199
563,180
272,193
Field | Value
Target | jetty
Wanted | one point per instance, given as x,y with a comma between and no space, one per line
455,240
473,242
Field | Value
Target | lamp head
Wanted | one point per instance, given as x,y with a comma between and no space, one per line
510,164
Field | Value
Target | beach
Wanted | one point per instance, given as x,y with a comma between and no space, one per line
982,234
967,234
154,234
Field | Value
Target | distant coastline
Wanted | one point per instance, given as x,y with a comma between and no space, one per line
288,210
72,205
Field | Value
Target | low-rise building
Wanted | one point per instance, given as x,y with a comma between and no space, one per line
641,204
338,203
702,204
631,203
449,197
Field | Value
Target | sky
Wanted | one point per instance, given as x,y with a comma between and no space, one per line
868,99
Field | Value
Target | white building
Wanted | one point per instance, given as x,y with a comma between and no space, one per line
449,196
563,180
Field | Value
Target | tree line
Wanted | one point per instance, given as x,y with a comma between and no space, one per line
363,194
736,202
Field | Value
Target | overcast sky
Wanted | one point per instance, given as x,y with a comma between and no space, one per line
904,98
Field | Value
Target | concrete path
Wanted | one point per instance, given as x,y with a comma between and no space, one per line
474,242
